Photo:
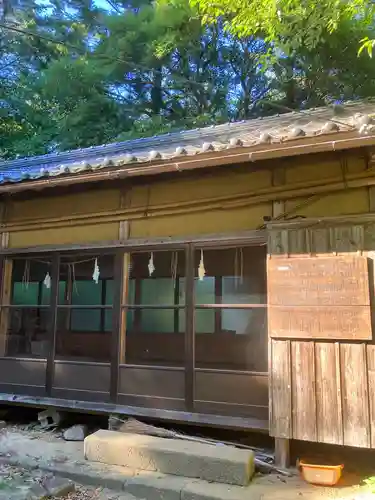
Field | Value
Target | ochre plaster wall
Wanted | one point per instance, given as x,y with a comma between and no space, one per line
220,200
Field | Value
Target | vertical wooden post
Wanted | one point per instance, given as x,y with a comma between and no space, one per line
123,287
371,195
55,277
218,300
282,453
176,301
68,299
118,326
278,179
5,288
123,312
6,292
189,330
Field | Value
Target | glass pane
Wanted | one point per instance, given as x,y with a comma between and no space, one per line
204,321
238,342
83,342
25,294
28,281
153,337
85,320
109,292
157,291
232,276
87,293
81,289
25,333
155,278
46,293
157,320
205,291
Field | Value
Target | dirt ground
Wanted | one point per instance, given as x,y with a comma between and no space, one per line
38,447
17,483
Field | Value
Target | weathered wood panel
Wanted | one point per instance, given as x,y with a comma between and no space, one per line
303,391
329,388
319,297
280,389
231,393
328,393
90,377
355,395
352,323
370,351
330,281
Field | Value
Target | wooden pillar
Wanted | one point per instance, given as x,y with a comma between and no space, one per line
282,453
119,319
121,286
55,276
189,331
278,179
123,312
6,292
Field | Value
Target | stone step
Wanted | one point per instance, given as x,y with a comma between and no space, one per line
214,463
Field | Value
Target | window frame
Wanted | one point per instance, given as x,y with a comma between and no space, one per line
216,242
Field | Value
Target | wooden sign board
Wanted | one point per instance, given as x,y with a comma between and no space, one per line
319,298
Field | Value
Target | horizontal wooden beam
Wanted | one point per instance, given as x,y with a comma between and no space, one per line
248,198
220,240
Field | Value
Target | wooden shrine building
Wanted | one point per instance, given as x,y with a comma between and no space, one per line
221,276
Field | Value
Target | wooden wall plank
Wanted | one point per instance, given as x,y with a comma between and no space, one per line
328,397
303,391
280,389
320,242
371,389
347,238
297,242
356,424
278,242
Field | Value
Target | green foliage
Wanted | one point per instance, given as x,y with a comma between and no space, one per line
78,75
287,23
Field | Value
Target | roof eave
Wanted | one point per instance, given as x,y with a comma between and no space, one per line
302,146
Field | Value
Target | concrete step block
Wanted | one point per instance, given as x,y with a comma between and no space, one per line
220,464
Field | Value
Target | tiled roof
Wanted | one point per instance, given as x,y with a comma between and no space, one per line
269,131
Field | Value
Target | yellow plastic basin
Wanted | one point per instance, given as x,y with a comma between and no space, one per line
323,475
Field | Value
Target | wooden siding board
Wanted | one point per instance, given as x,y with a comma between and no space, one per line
320,243
328,408
303,391
278,242
371,389
356,423
280,390
297,242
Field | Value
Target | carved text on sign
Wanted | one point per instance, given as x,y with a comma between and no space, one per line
318,281
319,297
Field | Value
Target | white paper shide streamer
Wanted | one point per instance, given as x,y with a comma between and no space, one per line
96,273
151,267
201,269
47,281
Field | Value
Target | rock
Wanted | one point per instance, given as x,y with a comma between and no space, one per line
3,424
50,418
36,492
76,433
59,487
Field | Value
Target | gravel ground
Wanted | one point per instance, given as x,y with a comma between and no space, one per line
13,477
